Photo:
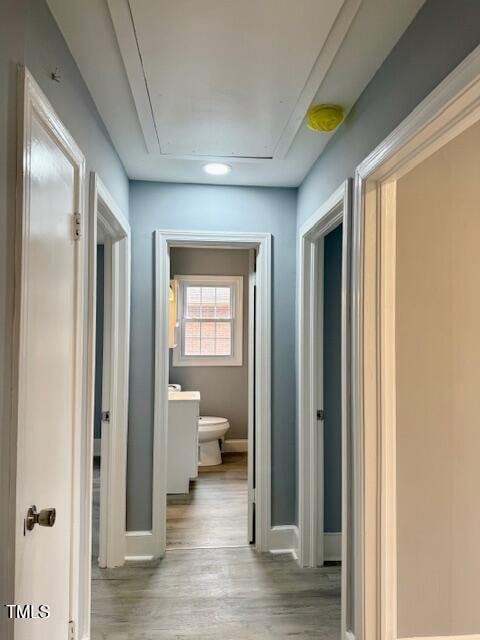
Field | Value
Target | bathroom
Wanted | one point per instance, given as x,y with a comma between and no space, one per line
209,407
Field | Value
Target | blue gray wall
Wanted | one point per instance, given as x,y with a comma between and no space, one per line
176,206
45,51
440,36
29,35
332,380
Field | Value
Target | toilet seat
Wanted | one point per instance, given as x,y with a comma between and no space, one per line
210,420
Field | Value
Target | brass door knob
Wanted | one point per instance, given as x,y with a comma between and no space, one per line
44,518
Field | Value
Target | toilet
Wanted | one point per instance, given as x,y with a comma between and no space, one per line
210,431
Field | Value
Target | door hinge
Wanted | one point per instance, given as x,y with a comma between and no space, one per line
105,416
71,630
320,414
252,495
77,226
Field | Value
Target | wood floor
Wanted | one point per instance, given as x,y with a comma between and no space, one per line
214,512
214,594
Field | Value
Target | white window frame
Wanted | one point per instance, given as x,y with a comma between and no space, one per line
236,358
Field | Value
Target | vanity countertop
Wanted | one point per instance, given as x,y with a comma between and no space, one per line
193,396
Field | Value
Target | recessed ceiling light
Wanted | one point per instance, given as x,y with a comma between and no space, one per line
217,168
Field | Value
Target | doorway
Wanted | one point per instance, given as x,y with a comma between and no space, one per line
416,369
329,547
207,501
326,472
259,286
103,529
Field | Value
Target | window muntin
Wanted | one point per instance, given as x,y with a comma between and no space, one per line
210,315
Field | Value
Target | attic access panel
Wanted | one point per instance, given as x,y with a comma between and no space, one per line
222,78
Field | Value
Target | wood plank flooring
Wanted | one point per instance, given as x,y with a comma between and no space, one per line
214,594
214,512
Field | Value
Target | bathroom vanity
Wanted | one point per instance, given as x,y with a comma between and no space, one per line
182,445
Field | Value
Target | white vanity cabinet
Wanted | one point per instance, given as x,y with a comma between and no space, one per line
182,443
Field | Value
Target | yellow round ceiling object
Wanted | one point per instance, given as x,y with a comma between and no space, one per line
324,117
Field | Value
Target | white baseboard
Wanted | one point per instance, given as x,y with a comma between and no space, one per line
235,446
97,447
140,546
284,539
332,547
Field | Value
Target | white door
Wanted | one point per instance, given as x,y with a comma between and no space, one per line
50,369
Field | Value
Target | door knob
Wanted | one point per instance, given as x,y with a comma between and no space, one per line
45,517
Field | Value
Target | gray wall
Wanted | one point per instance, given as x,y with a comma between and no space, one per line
223,390
45,50
176,206
332,382
29,35
438,39
97,414
440,36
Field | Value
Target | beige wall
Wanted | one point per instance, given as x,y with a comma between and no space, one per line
223,390
438,392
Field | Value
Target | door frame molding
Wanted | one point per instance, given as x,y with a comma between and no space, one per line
32,101
164,240
450,109
103,210
335,211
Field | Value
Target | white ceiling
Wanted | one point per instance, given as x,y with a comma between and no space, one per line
181,81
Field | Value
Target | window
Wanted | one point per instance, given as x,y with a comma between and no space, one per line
210,315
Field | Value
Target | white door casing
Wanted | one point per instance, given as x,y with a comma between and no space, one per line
49,326
261,243
104,211
449,110
334,211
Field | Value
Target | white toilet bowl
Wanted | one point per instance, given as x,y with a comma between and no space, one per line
210,431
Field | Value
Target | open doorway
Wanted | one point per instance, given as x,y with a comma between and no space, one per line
103,531
329,547
249,335
209,383
325,450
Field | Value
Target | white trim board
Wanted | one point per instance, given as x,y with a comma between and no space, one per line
284,539
448,111
139,545
235,446
261,242
332,547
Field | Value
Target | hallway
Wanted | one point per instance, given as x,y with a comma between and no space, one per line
216,594
213,593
